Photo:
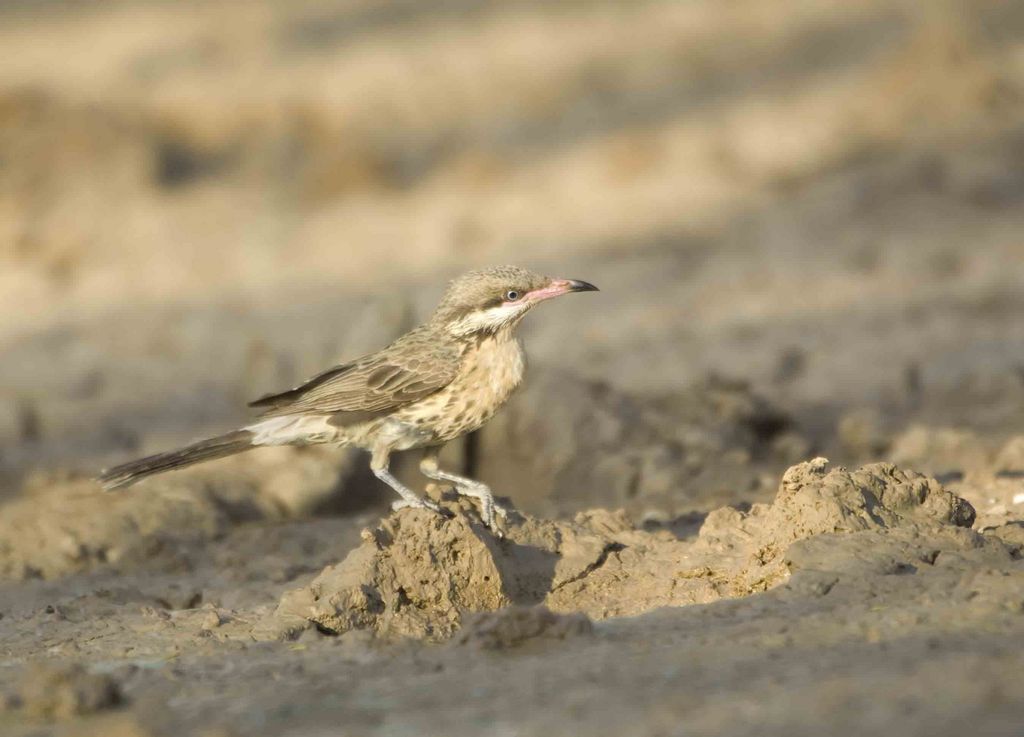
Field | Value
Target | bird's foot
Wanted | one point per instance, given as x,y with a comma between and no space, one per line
417,503
488,515
499,510
488,507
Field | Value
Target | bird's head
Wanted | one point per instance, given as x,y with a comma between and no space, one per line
488,300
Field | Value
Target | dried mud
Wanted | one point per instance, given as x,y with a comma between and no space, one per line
418,574
873,556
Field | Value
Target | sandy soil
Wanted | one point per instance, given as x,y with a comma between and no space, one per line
807,230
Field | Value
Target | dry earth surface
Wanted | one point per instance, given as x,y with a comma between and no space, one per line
807,227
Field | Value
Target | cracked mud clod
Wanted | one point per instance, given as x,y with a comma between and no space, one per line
418,576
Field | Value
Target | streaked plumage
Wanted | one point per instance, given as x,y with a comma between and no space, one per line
437,382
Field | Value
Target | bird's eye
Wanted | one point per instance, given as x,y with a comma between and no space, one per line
511,295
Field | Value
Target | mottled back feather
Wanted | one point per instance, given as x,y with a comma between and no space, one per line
416,365
412,368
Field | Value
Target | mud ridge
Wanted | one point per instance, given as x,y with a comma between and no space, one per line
419,575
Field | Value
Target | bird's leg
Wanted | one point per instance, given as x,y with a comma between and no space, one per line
379,465
463,485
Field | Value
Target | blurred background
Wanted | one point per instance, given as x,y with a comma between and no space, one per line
805,218
807,223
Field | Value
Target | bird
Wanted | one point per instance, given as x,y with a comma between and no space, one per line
438,382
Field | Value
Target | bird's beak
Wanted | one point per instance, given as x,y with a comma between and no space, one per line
558,287
575,285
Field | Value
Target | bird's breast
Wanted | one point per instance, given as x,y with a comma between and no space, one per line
491,370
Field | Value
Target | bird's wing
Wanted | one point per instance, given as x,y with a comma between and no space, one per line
370,386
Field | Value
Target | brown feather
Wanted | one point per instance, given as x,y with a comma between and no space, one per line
413,367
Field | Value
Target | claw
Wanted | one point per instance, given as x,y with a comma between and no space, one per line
418,504
488,509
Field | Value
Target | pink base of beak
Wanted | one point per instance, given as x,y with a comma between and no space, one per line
556,288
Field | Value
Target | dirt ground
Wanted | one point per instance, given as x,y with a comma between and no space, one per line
806,222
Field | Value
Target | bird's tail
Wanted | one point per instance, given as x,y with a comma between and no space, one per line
205,450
